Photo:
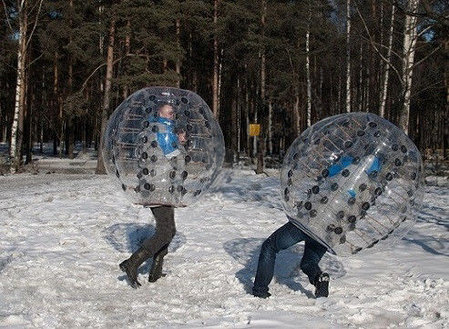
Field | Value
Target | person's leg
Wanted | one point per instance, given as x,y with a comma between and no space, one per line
313,252
156,267
281,239
165,230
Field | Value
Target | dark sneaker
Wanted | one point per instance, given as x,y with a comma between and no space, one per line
263,295
322,285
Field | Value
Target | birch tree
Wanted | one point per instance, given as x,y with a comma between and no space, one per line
25,10
215,84
309,83
409,48
348,56
107,94
386,65
262,137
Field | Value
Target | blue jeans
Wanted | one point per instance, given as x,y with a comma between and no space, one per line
283,238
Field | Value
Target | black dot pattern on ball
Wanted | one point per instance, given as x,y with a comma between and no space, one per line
308,205
154,144
153,158
352,219
340,214
313,213
324,200
345,173
334,186
144,155
316,189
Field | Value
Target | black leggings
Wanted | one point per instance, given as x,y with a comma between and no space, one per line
165,229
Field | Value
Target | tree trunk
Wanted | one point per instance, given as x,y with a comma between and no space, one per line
409,47
125,90
384,89
309,83
262,137
270,127
446,114
178,60
107,95
296,114
348,56
215,83
15,152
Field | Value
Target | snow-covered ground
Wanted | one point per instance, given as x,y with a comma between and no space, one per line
62,237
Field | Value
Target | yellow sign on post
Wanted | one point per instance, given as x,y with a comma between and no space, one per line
254,129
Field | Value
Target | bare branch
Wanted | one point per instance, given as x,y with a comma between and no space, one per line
103,64
427,56
35,23
373,44
7,17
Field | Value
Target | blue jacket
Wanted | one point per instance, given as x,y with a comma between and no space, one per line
166,137
345,161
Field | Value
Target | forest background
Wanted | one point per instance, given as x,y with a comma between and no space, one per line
66,64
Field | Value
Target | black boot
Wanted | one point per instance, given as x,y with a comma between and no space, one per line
156,267
131,265
322,285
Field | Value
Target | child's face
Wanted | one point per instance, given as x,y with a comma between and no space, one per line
182,137
167,112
